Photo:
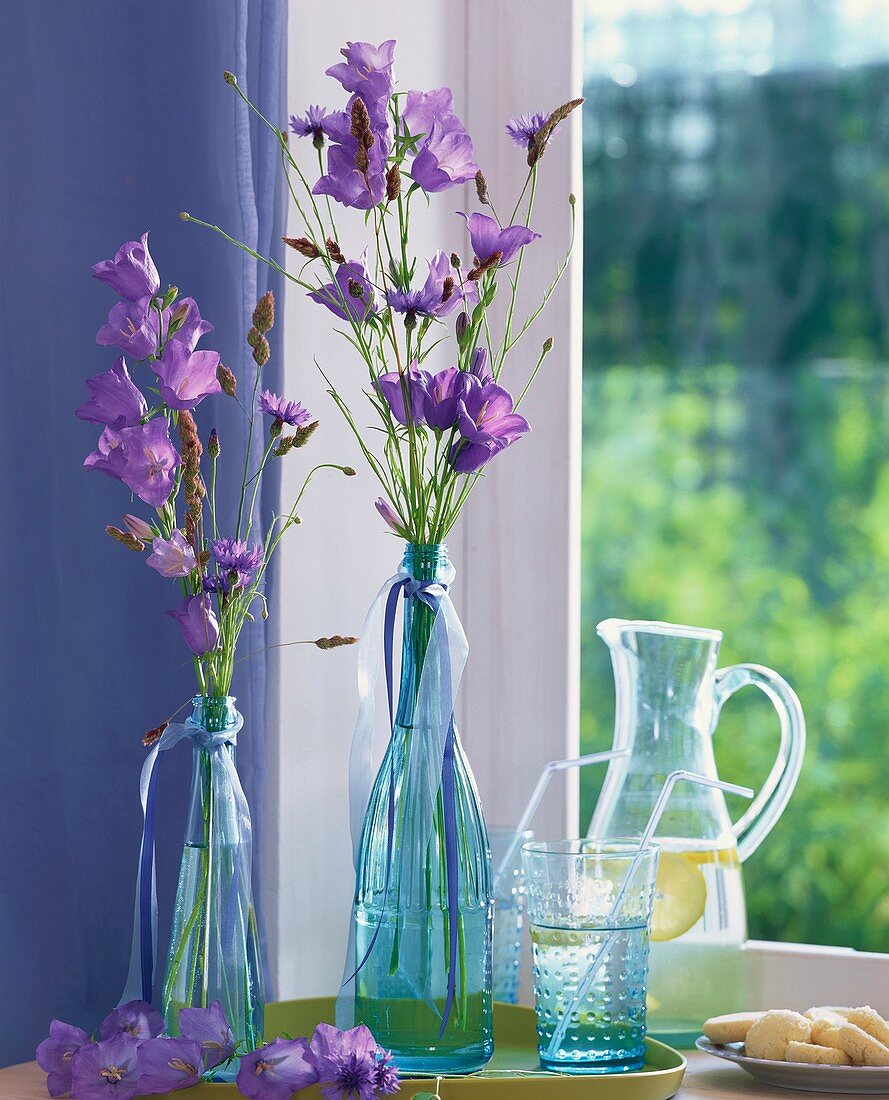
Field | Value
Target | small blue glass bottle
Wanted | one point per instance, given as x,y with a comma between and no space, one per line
403,926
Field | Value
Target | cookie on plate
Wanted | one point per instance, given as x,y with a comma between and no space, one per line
816,1055
869,1020
862,1048
769,1036
731,1028
828,1012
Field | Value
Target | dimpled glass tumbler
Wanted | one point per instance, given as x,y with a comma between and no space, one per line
572,887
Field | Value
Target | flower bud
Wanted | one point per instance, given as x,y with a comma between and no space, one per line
349,472
547,345
481,187
264,314
226,380
410,320
317,138
275,429
138,528
229,78
462,326
393,183
455,261
213,444
170,297
355,289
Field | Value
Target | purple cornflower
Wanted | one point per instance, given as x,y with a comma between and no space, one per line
132,272
236,560
135,1018
392,518
367,69
114,400
312,124
487,426
55,1053
339,298
276,1071
106,1071
345,1061
439,295
186,377
173,557
209,1027
197,623
167,1064
488,238
284,411
386,1080
142,457
523,129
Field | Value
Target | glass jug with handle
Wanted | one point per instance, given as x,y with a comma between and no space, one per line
669,694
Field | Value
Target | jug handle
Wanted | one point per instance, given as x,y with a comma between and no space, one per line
757,821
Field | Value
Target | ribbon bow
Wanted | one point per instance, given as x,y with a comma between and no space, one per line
227,792
430,766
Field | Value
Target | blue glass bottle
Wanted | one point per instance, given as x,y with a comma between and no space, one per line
214,953
401,989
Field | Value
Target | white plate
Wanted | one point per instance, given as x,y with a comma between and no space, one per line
836,1080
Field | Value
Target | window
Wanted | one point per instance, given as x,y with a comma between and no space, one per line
736,391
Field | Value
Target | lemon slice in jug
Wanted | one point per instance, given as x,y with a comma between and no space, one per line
680,896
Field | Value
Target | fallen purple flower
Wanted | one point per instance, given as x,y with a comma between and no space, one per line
209,1027
197,623
186,377
276,1071
106,1071
173,557
386,1080
167,1064
135,1018
114,399
55,1053
132,272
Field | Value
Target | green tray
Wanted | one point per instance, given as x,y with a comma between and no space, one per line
514,1072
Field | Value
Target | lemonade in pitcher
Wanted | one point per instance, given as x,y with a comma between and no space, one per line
669,693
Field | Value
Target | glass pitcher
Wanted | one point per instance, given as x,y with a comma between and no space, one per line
669,694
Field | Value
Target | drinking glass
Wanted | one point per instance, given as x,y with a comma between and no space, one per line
509,913
582,910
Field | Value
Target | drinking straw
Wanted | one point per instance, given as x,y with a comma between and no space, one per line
592,970
542,783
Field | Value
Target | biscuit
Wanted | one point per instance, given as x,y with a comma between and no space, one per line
863,1049
769,1036
732,1028
816,1055
827,1012
869,1020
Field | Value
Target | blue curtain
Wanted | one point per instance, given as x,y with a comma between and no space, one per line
115,117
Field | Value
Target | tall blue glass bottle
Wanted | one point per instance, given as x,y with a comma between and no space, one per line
403,932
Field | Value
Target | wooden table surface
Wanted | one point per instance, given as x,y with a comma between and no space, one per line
705,1078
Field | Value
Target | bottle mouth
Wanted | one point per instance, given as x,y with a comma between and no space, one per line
609,629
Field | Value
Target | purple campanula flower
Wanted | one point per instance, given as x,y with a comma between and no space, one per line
367,69
135,1018
487,425
338,296
392,386
132,272
392,518
197,622
106,1071
132,327
343,182
479,366
209,1027
55,1053
167,1064
442,397
173,557
142,457
523,129
423,109
236,560
114,400
185,319
312,124
287,412
139,528
386,1080
439,295
276,1071
487,238
446,157
186,377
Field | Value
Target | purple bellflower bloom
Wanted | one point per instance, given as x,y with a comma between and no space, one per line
423,109
132,272
392,518
142,457
442,397
523,129
133,327
106,1071
55,1053
343,182
190,326
487,425
312,124
276,1071
367,69
114,400
284,411
197,622
135,1018
173,557
434,299
167,1064
392,386
487,238
479,366
186,377
236,560
209,1027
444,154
338,296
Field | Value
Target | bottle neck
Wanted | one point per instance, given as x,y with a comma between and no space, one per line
428,562
214,713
